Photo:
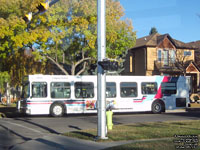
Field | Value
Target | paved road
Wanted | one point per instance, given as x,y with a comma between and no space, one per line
40,129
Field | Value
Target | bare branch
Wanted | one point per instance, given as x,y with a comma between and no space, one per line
82,60
58,65
83,69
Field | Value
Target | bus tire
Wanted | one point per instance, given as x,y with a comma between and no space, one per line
57,110
158,107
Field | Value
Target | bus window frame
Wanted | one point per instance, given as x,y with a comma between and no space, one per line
168,94
63,87
75,89
32,89
27,91
136,92
155,88
113,95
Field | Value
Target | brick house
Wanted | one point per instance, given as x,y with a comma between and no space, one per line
161,55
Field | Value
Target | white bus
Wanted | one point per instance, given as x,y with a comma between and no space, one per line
59,94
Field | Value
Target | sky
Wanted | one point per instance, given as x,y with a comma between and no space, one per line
178,18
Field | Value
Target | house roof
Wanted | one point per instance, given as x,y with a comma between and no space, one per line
154,39
193,64
196,44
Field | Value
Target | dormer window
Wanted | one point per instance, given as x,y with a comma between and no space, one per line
187,53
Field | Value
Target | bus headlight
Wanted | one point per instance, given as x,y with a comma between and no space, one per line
28,111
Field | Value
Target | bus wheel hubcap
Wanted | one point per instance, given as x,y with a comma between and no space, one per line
57,110
157,107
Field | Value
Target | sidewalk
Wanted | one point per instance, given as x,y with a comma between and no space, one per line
59,142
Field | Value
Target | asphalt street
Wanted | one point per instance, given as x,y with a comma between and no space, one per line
44,132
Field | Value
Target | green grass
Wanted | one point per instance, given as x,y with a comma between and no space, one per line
155,145
144,131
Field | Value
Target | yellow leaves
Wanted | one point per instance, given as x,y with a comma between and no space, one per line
114,10
93,20
4,29
84,7
79,23
92,42
21,65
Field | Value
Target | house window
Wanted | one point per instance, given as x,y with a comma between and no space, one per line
131,64
173,56
187,53
166,57
159,55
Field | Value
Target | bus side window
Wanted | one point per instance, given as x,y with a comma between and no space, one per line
168,88
110,89
128,89
39,89
84,90
60,90
149,87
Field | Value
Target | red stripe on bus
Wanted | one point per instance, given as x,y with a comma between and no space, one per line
31,103
159,93
74,103
138,101
38,103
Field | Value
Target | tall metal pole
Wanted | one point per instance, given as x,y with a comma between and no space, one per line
101,77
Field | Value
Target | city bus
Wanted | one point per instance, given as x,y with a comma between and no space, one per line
57,95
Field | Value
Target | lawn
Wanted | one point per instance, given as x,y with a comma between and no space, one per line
151,132
149,145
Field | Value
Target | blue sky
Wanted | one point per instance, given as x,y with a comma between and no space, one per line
179,18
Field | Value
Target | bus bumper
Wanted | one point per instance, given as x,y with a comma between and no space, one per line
21,106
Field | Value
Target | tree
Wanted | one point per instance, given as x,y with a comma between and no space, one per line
77,46
4,78
153,30
66,35
14,37
182,61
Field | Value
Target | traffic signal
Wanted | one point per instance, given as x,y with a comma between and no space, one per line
42,7
109,65
28,17
105,64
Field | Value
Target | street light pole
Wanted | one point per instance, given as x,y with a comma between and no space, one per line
101,77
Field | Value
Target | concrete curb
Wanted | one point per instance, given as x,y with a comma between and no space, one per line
60,142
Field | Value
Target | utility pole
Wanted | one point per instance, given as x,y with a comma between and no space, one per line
101,76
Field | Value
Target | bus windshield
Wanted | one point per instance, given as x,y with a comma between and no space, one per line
26,90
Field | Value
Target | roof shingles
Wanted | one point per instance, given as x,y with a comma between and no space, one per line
154,39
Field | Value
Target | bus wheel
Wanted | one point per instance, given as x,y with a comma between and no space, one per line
57,110
157,107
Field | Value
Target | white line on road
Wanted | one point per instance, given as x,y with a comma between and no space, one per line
37,131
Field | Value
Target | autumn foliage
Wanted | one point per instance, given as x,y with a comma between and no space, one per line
65,35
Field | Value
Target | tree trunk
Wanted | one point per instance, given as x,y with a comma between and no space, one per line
58,65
